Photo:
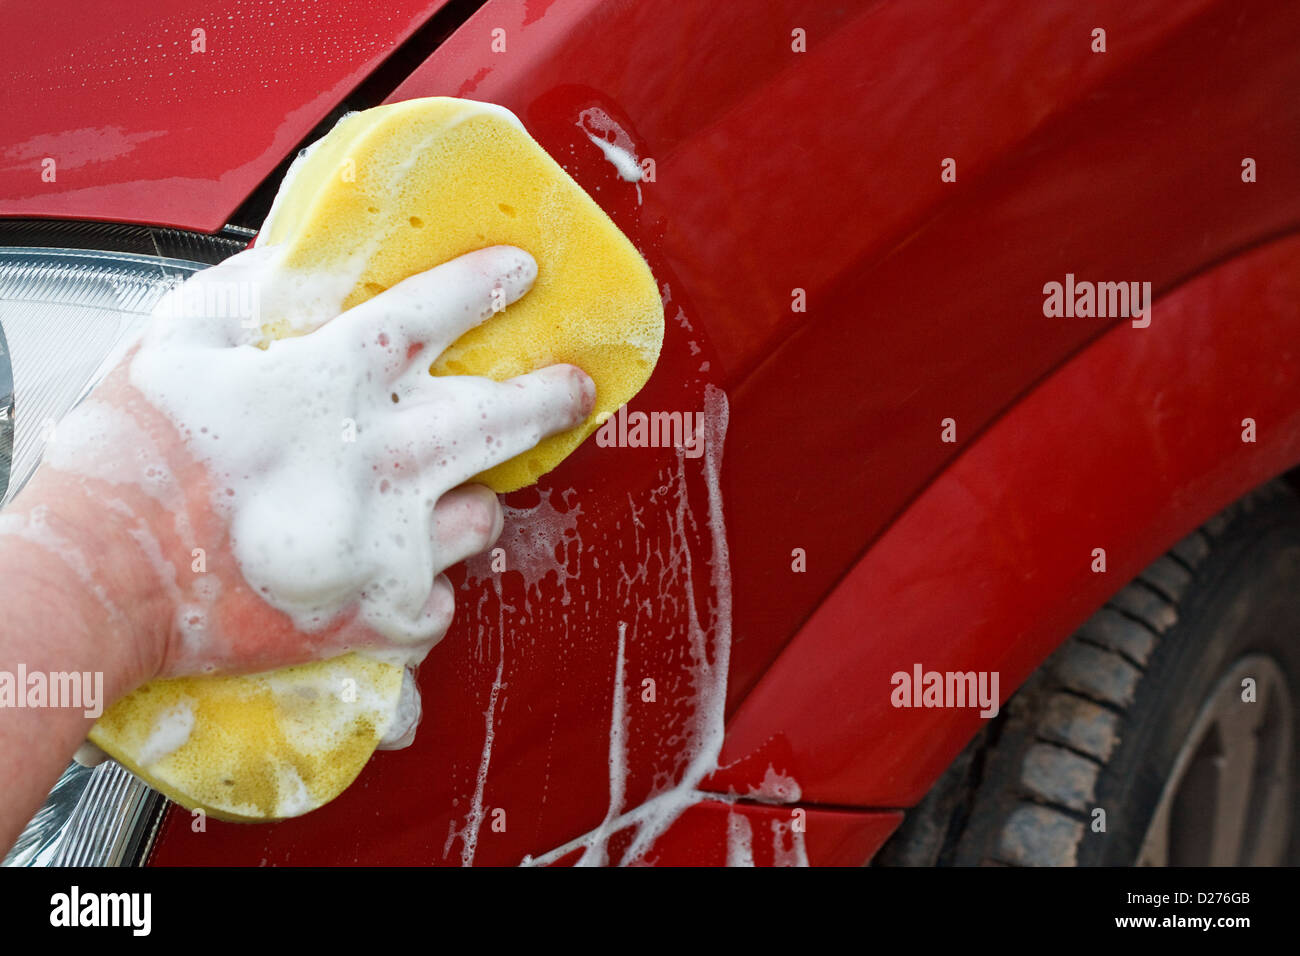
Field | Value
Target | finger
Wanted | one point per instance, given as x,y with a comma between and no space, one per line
441,606
401,731
466,521
481,423
469,431
416,634
537,405
424,314
445,422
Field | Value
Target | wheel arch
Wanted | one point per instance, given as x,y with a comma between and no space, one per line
1128,447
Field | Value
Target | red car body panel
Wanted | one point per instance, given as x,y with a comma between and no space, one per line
720,834
819,171
145,128
1128,447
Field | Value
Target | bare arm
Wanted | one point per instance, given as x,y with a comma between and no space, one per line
315,540
54,623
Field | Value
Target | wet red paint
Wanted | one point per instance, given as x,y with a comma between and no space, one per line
819,171
143,128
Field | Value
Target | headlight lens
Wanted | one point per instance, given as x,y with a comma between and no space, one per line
66,316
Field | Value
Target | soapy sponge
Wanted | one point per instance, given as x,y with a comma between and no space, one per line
397,189
388,193
254,747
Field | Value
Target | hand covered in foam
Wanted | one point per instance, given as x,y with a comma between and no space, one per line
300,500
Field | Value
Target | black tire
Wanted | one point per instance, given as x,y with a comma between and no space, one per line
1100,726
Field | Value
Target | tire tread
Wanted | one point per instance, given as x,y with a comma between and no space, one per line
1032,803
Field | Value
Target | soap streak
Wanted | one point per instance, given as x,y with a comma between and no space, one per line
595,854
740,840
652,818
620,151
474,819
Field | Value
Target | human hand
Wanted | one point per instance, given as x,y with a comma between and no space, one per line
238,509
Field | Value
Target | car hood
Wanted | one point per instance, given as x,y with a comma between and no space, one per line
122,112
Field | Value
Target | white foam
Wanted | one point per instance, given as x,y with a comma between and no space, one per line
596,853
291,794
776,788
615,143
328,490
169,733
788,847
649,820
406,717
530,540
474,819
740,840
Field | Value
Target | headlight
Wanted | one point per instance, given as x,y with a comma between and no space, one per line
66,315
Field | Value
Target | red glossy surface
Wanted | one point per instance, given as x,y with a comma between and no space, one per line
718,834
820,171
1127,448
778,170
143,128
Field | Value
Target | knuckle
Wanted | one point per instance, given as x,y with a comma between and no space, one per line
442,602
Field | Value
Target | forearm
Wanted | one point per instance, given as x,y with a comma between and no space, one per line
80,629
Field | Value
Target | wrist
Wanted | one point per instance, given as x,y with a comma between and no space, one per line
75,568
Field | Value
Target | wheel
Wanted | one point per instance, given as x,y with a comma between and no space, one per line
1162,733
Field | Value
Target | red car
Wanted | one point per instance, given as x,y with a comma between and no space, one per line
987,318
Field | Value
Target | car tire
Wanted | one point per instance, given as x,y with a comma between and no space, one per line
1162,732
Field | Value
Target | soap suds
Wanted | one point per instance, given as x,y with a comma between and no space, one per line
97,441
652,818
788,847
474,819
406,716
596,853
169,733
292,796
536,543
740,840
776,788
615,143
329,507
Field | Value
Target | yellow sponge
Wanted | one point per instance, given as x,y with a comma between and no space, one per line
256,747
388,193
398,189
